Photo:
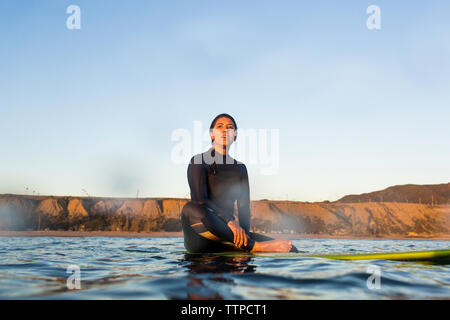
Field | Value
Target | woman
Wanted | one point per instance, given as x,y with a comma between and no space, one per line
216,181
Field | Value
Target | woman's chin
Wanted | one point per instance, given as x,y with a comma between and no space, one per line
222,145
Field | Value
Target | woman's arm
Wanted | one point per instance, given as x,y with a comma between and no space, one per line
244,200
199,189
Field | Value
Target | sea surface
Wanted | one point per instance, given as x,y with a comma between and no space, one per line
160,268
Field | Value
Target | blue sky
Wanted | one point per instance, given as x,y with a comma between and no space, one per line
358,110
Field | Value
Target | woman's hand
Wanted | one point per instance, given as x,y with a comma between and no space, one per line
240,237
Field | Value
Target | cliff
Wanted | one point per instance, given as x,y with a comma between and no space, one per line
408,193
371,219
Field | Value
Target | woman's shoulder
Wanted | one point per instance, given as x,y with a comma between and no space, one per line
242,167
196,159
200,158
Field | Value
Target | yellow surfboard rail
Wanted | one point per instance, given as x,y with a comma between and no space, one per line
397,256
401,256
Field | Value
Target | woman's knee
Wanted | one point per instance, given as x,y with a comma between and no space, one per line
193,212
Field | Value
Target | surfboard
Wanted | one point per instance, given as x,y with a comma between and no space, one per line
396,256
429,255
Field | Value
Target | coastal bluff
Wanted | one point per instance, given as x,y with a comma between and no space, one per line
361,219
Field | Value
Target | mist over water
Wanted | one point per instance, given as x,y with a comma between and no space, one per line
160,268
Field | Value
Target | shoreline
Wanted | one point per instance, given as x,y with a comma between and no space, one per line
164,234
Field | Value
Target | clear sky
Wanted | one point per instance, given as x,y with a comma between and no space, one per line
357,110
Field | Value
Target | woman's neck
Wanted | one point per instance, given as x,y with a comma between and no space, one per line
222,150
221,155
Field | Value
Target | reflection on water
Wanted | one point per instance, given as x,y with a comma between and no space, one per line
213,264
160,268
208,263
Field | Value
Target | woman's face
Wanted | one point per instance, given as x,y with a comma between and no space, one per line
223,132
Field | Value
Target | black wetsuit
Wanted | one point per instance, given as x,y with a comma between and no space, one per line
216,182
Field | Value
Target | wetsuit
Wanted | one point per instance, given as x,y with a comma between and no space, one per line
216,182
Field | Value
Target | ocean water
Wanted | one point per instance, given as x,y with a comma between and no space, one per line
160,268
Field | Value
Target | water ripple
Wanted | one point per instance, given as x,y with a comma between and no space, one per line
159,268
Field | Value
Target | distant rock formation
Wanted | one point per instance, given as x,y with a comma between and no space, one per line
75,209
49,207
353,219
364,219
409,193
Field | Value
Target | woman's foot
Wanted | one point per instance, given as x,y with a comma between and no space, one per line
272,246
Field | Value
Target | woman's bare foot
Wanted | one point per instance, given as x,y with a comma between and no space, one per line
272,246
